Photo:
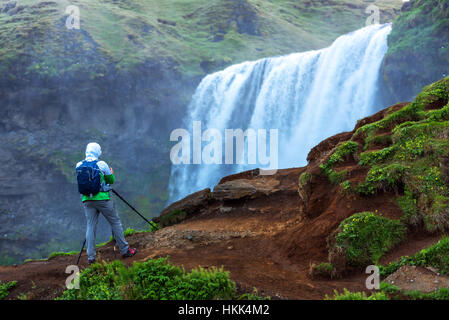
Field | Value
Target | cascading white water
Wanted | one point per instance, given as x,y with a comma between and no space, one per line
307,96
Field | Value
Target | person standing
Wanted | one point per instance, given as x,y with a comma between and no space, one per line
94,180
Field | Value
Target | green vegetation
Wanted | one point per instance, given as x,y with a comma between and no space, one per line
22,296
377,156
322,270
391,292
436,256
5,287
340,154
197,36
412,163
172,218
305,178
325,267
129,231
348,295
440,294
153,279
346,187
60,254
395,292
389,289
253,296
385,178
337,177
64,161
366,237
418,53
380,140
151,228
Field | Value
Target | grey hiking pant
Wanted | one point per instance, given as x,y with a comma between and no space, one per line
106,207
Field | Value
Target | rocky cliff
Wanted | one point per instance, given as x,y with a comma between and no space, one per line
389,172
418,48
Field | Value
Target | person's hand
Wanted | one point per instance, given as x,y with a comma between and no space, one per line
112,171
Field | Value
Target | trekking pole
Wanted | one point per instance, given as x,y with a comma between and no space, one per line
151,223
82,248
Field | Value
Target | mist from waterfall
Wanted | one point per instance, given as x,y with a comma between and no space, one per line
307,96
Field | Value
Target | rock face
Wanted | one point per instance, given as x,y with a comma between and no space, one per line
191,204
418,51
238,189
232,189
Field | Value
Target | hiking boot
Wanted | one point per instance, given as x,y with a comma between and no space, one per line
91,261
130,253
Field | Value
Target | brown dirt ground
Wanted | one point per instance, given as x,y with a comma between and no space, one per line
263,242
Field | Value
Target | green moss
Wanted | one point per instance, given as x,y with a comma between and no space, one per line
366,237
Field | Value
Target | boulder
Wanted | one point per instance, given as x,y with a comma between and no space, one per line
418,278
242,188
190,204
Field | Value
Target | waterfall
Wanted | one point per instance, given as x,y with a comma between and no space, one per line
307,96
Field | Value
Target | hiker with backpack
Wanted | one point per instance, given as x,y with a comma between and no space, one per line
94,180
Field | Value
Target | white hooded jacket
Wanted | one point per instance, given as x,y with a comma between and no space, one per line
93,152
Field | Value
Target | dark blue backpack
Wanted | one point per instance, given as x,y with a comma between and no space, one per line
88,176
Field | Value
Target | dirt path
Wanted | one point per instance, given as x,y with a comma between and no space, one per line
263,241
253,261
